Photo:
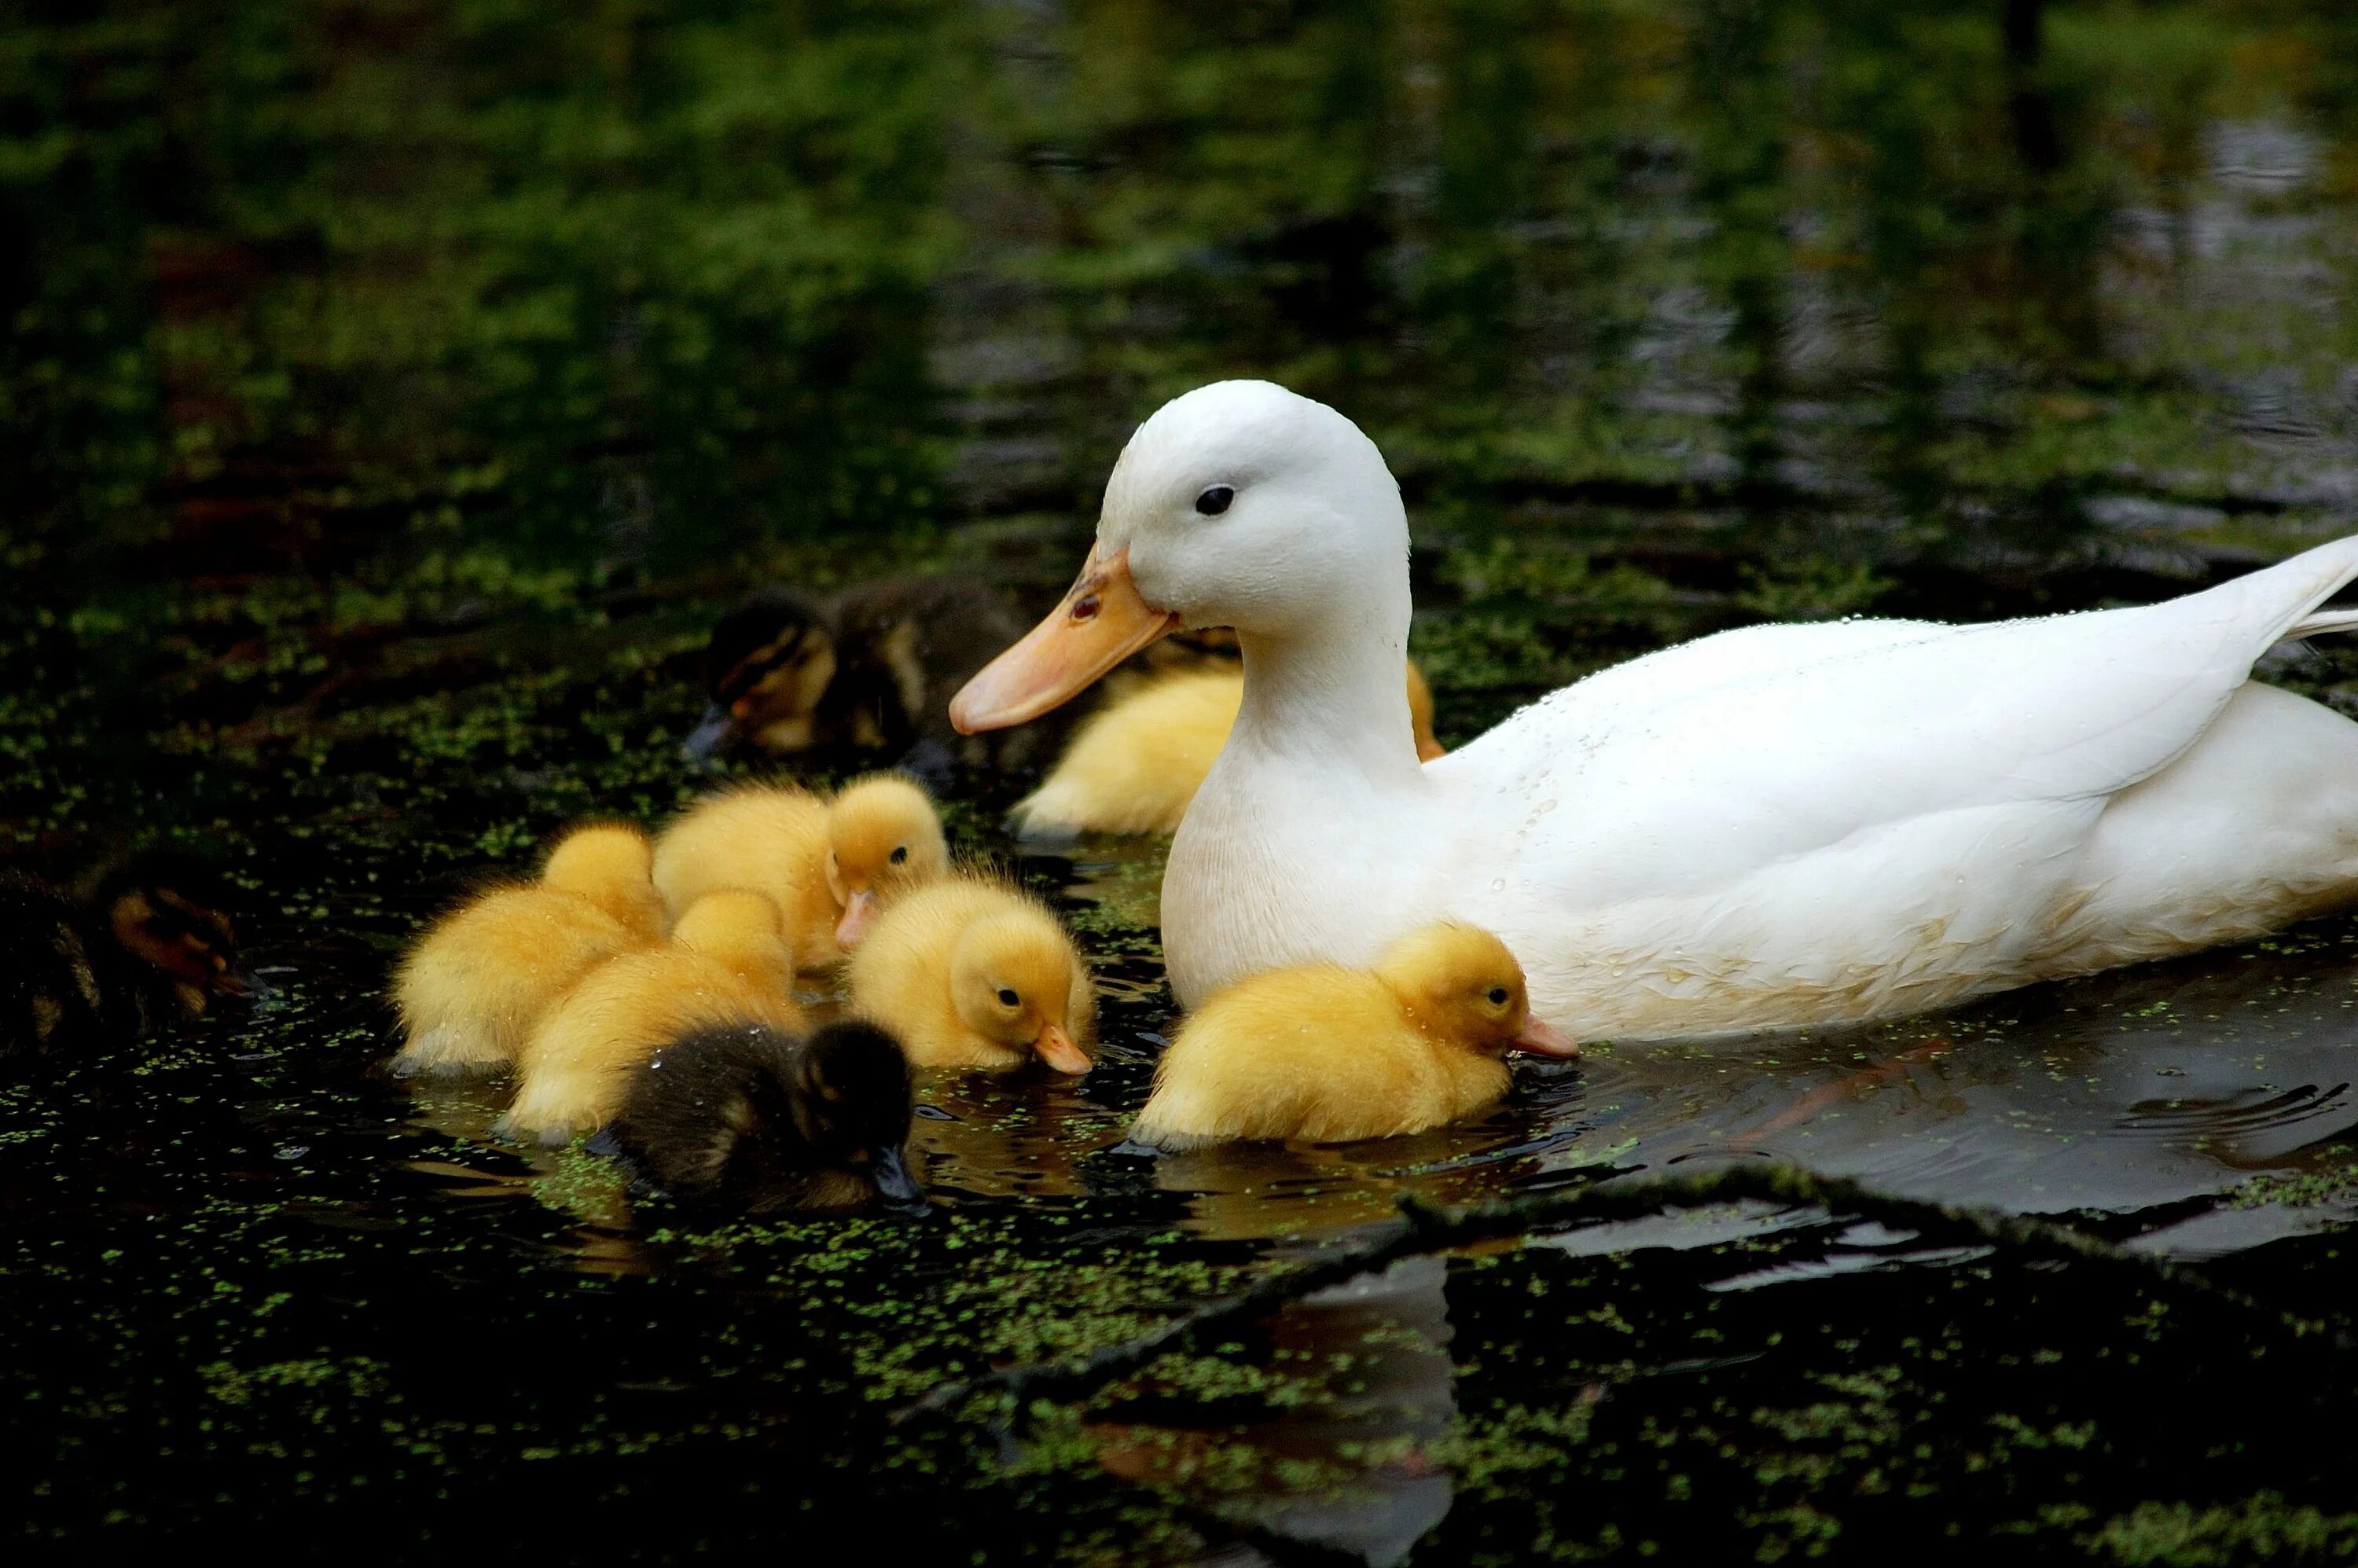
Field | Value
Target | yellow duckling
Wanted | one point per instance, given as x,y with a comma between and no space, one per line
1328,1054
471,989
1133,767
725,964
969,973
829,866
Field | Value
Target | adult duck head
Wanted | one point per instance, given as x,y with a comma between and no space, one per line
1238,504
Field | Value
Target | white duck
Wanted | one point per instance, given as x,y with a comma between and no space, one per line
1782,825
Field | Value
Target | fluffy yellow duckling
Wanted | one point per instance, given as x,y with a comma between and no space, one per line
1133,767
471,989
725,964
969,973
828,865
1330,1055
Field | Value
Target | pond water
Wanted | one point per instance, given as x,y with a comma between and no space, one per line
393,390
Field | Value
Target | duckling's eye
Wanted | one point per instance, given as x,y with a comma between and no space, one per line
900,854
1215,501
1496,996
1007,997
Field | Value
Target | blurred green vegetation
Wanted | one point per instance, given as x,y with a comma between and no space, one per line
385,313
639,281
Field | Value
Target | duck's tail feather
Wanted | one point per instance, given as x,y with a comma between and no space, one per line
2324,621
2285,599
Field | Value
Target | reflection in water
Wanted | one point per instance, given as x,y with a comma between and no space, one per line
2146,1094
1341,1462
2133,1093
587,1189
1023,1134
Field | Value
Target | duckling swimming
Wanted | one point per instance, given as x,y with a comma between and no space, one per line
1134,765
148,944
969,973
872,669
725,964
829,866
1328,1054
471,989
762,1119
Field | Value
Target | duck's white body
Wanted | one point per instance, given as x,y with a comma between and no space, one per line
1777,826
1799,824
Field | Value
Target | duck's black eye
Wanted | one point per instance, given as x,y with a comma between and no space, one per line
1215,501
899,853
1498,996
1007,997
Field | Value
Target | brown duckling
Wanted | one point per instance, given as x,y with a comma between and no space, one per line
1329,1054
762,1119
147,944
971,973
471,989
829,865
725,964
872,669
1134,765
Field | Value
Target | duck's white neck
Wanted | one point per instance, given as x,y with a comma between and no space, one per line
1312,821
1332,696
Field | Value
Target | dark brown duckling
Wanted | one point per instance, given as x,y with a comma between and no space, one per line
872,669
147,942
751,1116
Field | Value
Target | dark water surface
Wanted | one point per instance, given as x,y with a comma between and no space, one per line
391,389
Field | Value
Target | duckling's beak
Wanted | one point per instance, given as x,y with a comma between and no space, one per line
709,736
858,914
894,1182
1102,621
1541,1040
1056,1047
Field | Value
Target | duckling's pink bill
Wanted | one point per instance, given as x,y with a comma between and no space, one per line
858,914
1102,621
1541,1040
1056,1048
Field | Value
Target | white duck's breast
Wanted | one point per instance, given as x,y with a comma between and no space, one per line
1280,864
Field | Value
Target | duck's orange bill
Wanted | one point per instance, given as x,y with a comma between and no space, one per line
1541,1040
1056,1047
1101,622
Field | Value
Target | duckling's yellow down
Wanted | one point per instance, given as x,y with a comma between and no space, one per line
969,973
471,989
1134,766
1328,1054
813,857
725,964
